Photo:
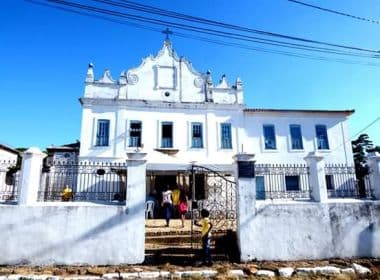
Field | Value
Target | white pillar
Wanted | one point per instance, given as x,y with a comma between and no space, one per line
373,162
317,178
246,201
136,195
30,175
3,173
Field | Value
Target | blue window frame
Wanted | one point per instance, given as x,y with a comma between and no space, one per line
322,139
296,137
167,135
135,130
102,133
329,182
269,137
292,183
260,187
225,134
196,135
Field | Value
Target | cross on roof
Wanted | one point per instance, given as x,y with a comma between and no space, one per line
167,32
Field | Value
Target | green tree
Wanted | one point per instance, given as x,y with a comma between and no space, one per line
361,147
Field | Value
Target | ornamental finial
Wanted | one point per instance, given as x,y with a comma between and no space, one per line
167,32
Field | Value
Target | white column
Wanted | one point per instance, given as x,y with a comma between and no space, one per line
30,175
246,200
120,134
373,162
135,202
136,179
317,178
3,173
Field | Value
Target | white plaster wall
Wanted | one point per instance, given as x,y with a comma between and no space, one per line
8,156
224,96
185,104
338,136
297,231
247,133
151,119
99,90
157,75
64,234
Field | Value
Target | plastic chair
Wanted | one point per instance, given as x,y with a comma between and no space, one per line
149,209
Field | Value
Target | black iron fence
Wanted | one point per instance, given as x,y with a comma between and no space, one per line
341,182
282,181
9,181
105,181
86,181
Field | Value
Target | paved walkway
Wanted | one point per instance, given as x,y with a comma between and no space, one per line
175,226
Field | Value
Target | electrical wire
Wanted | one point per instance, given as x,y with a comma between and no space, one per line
151,9
357,133
194,28
224,35
335,12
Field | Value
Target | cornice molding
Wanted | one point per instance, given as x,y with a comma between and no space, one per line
144,104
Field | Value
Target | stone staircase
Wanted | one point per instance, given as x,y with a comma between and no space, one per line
177,245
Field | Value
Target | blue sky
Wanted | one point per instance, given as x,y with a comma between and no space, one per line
45,53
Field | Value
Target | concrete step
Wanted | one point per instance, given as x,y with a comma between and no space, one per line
181,256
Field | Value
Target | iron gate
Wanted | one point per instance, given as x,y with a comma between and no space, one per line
216,192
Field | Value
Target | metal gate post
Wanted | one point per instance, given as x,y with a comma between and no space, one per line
192,204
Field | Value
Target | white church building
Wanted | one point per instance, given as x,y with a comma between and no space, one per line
179,116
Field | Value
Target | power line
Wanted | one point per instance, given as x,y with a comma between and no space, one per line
265,50
366,127
335,12
357,133
205,30
96,16
150,9
225,35
204,39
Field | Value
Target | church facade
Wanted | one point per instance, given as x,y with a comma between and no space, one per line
179,116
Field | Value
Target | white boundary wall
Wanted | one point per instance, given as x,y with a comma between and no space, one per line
72,232
297,231
68,234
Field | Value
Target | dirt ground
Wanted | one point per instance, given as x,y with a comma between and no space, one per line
222,268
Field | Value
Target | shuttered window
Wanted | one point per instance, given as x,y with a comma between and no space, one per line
102,133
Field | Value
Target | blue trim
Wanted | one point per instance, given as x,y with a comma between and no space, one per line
102,133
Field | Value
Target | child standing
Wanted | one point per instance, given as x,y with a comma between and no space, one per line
206,235
182,207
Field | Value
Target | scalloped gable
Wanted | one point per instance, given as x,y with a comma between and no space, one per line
164,53
165,77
